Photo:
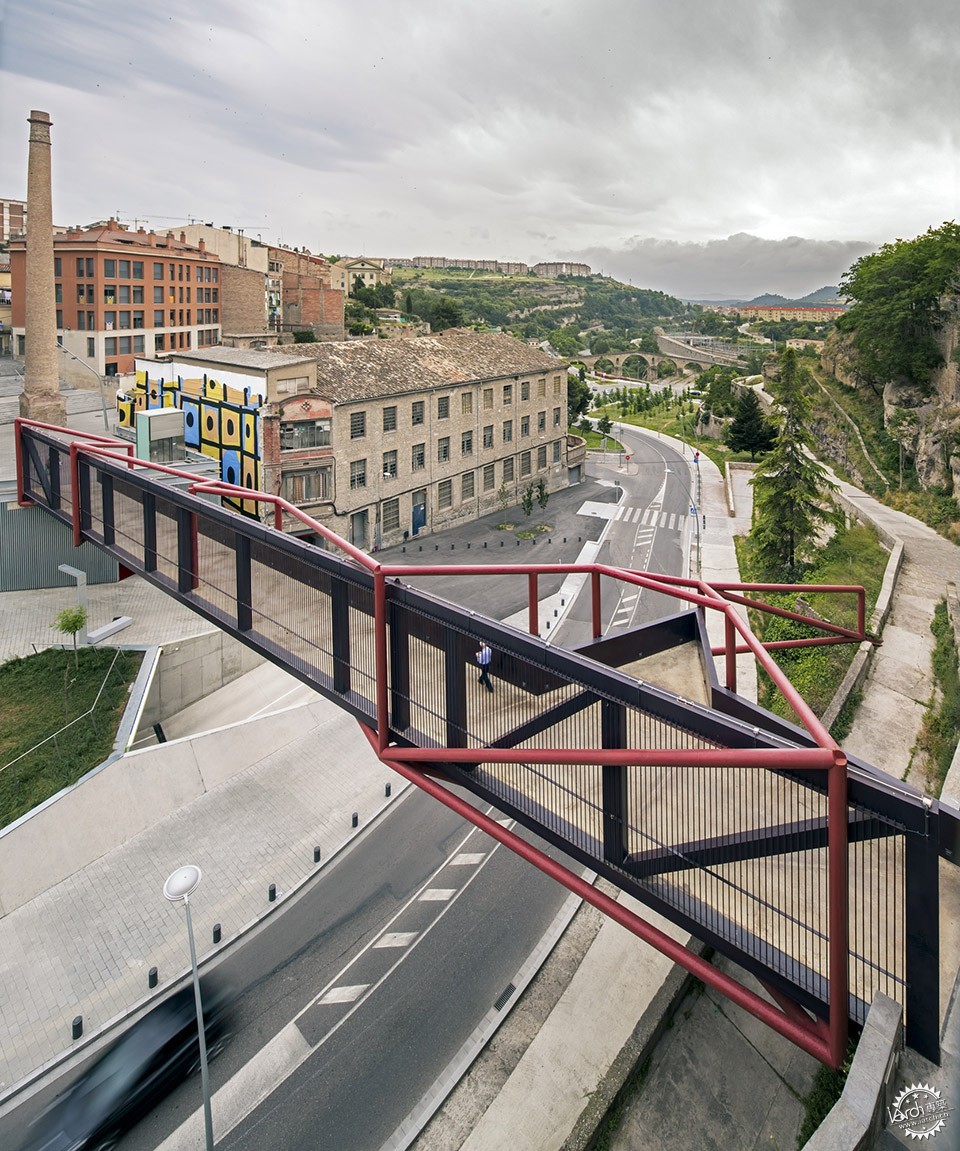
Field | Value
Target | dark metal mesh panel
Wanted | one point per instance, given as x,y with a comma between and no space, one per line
217,568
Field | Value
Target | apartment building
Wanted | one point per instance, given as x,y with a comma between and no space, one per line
6,313
552,269
13,219
379,440
308,295
122,294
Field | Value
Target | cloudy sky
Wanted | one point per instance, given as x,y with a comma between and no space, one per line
706,149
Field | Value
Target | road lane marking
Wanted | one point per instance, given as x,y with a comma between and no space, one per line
467,858
346,994
437,894
397,939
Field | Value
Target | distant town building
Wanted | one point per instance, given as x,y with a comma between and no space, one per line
504,268
368,271
309,295
560,268
814,314
378,439
13,219
122,293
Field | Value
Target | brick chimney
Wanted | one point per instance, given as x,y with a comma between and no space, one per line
40,399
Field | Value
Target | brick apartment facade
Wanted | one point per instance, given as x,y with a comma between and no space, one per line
308,296
120,294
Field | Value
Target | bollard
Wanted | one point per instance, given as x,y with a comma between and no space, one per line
555,613
354,820
451,547
484,543
420,548
272,893
152,977
436,547
316,855
216,933
564,539
501,543
468,546
77,1029
386,790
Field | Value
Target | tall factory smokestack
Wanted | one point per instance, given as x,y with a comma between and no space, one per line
41,398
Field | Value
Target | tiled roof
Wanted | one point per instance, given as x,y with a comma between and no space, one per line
368,369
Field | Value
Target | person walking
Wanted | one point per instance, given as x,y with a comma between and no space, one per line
484,655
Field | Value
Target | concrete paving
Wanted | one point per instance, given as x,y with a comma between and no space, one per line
109,923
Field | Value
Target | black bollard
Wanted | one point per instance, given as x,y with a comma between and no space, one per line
354,820
316,855
387,789
152,977
216,933
77,1029
272,893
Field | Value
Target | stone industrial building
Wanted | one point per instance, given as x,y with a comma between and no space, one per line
379,440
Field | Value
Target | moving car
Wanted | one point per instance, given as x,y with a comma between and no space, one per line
156,1054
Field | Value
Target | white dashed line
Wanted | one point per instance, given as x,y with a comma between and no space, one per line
437,894
345,994
468,858
397,939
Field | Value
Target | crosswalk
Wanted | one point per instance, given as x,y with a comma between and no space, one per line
651,517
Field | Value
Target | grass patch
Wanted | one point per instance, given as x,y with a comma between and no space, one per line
853,556
937,740
824,1094
43,694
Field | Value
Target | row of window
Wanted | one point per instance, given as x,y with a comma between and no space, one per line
358,420
358,427
358,468
133,269
178,318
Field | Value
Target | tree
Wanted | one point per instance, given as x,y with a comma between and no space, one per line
604,425
791,489
408,304
447,314
750,432
503,498
543,496
897,310
578,398
304,336
70,621
526,500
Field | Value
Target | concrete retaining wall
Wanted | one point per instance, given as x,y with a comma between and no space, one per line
858,1116
120,799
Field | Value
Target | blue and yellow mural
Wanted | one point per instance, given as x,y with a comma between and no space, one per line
220,419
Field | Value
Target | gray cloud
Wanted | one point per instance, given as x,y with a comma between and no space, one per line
505,130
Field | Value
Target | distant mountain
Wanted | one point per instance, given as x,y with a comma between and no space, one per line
825,295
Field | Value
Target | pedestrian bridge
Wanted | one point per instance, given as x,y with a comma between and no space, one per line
810,870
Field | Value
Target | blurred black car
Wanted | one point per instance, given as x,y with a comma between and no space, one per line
154,1056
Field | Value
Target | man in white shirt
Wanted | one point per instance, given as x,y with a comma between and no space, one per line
484,655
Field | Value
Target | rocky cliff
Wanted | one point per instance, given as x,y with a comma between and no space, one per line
926,422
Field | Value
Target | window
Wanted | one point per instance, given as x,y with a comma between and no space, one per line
307,486
508,393
556,417
59,318
390,420
390,521
541,457
389,465
123,294
81,293
418,457
138,293
110,349
524,463
508,431
556,385
467,486
159,343
556,451
124,320
488,436
524,426
91,352
138,346
489,477
138,269
358,474
542,386
111,369
123,269
109,293
466,403
89,268
81,325
304,434
80,272
158,323
138,319
443,407
541,421
109,269
358,425
416,412
525,390
109,320
443,449
57,266
158,275
487,399
158,294
58,293
508,470
445,493
466,444
124,345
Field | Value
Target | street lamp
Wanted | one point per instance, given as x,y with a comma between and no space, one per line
694,512
178,889
83,364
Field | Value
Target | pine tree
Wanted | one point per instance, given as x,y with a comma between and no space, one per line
791,489
750,431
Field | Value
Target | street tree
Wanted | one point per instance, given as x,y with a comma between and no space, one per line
750,430
791,489
526,500
578,397
69,622
604,426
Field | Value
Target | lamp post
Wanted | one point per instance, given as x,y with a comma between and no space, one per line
178,889
103,402
694,512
